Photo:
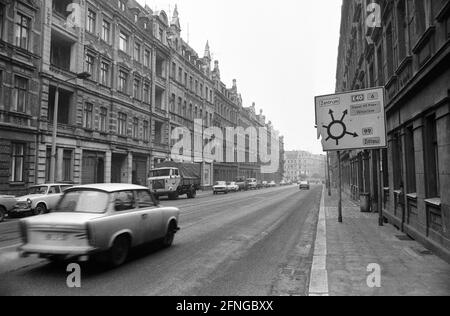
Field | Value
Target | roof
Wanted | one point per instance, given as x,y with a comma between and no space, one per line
50,184
110,187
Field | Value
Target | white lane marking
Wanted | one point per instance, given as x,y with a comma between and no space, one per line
318,285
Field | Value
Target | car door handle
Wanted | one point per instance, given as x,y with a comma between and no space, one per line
144,216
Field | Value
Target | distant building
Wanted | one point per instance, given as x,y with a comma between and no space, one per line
301,164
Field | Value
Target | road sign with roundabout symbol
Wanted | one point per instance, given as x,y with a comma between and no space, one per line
351,120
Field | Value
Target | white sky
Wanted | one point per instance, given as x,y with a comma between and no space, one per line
282,54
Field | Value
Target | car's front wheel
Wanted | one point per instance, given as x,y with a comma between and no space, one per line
170,235
2,214
40,209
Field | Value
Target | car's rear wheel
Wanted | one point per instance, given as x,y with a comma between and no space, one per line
2,213
40,209
170,235
119,251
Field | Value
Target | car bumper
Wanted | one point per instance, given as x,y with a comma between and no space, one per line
220,190
41,250
304,188
20,210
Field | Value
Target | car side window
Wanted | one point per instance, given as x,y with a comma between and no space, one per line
145,199
124,201
54,190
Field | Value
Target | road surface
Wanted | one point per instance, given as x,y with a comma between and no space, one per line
254,243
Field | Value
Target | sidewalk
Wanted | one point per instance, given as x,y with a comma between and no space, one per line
407,268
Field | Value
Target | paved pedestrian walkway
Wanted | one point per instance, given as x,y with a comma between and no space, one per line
358,247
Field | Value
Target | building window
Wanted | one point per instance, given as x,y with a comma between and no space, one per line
137,52
173,70
431,158
67,166
2,19
122,5
104,74
146,131
88,115
123,81
17,162
147,58
180,75
161,34
122,124
135,128
106,31
410,160
136,89
123,42
20,94
90,62
22,31
179,105
390,50
146,93
91,21
103,119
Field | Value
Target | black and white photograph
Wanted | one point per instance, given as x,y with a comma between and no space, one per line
225,155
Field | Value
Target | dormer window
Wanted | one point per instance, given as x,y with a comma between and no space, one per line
135,18
122,5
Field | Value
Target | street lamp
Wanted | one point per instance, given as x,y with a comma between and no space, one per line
82,75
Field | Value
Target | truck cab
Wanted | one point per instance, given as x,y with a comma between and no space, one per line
171,182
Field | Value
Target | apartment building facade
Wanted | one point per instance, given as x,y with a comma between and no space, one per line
116,79
406,49
20,64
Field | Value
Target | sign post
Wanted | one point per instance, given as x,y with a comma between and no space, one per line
351,121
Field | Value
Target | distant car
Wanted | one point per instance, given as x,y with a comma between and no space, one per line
232,187
272,184
265,184
7,203
304,185
102,221
242,183
252,184
40,199
283,183
220,187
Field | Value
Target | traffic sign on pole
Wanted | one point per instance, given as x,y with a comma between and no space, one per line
351,120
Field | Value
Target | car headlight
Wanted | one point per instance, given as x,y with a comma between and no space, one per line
29,202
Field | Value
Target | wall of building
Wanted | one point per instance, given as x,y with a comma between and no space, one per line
408,54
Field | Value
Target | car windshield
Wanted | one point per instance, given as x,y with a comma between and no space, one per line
221,183
159,173
38,190
83,201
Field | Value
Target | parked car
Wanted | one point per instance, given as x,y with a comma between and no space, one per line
220,187
242,183
272,184
283,183
232,187
40,199
102,221
304,185
252,184
265,184
7,203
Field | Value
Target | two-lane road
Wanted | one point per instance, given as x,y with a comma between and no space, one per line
247,243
